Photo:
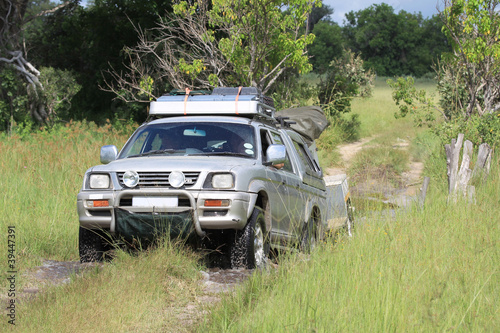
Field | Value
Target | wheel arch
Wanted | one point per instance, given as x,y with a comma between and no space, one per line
313,214
262,201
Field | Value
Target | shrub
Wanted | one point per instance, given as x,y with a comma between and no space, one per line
476,129
345,79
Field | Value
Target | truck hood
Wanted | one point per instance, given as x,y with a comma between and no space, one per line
169,163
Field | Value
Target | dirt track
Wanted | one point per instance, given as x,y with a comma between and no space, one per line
409,183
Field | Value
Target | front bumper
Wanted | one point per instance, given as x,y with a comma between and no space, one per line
233,216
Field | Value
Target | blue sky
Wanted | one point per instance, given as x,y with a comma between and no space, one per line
341,7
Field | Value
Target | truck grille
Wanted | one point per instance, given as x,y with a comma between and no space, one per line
159,179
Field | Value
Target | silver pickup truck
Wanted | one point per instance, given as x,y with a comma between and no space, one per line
218,166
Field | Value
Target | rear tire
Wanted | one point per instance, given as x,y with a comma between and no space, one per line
92,244
309,236
251,246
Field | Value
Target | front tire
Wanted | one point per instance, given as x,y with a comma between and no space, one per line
251,246
92,244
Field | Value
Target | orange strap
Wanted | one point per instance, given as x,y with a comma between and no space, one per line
186,99
236,100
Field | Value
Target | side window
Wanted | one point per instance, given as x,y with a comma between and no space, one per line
266,142
279,141
137,147
305,157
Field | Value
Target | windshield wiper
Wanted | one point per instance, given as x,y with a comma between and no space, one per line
223,153
155,152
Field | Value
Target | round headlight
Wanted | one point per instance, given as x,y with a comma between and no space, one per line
130,178
176,179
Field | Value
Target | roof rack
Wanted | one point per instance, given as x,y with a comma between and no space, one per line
240,101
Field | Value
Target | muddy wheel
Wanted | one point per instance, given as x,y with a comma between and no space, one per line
251,246
92,244
309,236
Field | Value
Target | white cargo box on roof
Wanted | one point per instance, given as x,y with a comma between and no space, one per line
222,101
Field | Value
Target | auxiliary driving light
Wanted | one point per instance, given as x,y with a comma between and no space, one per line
176,179
130,178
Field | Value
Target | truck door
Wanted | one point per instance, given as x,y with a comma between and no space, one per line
277,193
291,187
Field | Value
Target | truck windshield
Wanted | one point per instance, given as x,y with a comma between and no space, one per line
192,138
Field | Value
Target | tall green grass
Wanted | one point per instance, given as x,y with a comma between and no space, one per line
148,292
426,270
377,112
42,173
422,270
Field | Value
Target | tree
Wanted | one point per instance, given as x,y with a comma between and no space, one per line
468,77
345,79
328,44
248,42
88,41
394,44
15,16
473,26
12,15
319,13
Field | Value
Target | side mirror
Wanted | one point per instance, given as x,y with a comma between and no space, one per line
276,154
108,154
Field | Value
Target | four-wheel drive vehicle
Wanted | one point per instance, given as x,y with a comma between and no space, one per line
214,167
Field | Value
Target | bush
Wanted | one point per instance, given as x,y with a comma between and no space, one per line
478,130
13,99
345,79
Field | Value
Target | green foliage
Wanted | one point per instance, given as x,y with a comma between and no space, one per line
327,45
59,87
89,40
452,89
345,79
412,101
147,85
13,99
474,26
394,44
259,39
343,128
292,90
485,129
